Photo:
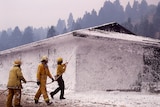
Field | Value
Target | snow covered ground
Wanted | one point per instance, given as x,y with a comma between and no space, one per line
94,99
90,98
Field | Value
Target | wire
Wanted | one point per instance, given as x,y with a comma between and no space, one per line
3,92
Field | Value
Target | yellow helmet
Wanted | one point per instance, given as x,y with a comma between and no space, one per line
17,62
44,58
59,59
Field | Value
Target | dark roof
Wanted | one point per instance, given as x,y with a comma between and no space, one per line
114,27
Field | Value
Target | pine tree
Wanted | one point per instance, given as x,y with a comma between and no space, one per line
51,32
27,36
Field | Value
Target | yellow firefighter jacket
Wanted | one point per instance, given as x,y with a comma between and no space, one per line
15,77
42,74
61,69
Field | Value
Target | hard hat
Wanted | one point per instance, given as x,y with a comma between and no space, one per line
44,58
59,59
17,62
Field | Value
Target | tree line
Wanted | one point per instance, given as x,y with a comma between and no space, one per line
148,24
140,18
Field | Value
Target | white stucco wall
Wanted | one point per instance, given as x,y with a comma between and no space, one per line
95,63
111,64
31,55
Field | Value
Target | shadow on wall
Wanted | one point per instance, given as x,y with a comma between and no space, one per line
149,79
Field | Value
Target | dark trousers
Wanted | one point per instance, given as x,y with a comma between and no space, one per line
60,88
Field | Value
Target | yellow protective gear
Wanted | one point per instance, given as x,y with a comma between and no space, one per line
42,74
44,58
14,85
61,69
59,59
15,77
16,94
17,62
42,90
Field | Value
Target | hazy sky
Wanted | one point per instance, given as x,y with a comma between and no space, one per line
45,13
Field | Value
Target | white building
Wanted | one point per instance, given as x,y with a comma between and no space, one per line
98,59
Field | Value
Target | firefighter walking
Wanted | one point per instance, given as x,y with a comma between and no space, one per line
14,85
42,73
60,70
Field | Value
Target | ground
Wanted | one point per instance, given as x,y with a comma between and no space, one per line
93,99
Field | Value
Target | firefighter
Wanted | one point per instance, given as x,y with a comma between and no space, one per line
14,84
60,70
42,73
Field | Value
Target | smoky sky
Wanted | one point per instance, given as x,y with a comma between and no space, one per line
39,13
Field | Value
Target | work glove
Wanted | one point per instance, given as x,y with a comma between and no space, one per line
56,77
24,81
52,80
38,82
